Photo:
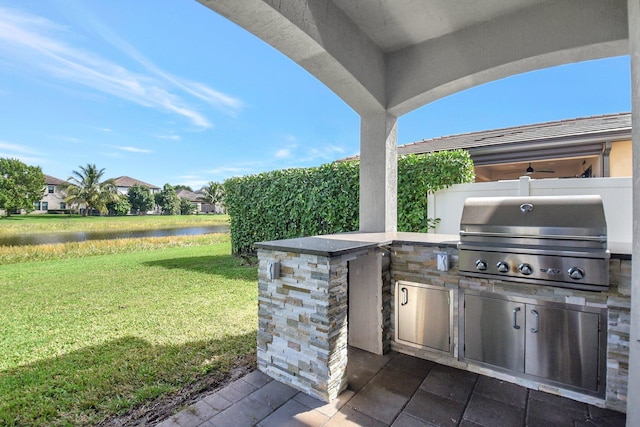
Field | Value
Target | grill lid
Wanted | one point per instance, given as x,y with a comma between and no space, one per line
544,240
568,218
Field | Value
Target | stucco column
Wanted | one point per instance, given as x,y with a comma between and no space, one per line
378,172
633,396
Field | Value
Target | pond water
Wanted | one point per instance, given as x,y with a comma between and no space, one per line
64,237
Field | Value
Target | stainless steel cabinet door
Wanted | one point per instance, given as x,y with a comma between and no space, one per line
494,332
562,345
424,316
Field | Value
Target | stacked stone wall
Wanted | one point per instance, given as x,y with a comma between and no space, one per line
302,321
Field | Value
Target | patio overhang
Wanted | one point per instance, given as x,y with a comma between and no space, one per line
386,58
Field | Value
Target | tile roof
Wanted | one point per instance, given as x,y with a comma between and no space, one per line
190,195
52,180
605,126
127,181
580,127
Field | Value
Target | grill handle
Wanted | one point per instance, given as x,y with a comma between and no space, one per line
515,318
601,239
536,328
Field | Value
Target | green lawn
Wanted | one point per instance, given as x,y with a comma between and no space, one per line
47,223
85,338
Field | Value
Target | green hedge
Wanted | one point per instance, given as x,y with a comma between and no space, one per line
300,202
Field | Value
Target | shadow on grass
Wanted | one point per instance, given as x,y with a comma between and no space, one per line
227,266
88,386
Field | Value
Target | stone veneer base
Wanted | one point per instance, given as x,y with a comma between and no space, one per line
302,331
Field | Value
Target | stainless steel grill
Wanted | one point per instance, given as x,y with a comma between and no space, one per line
550,240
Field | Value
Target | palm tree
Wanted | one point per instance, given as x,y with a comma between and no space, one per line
214,194
84,187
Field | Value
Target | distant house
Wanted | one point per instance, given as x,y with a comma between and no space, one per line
598,146
53,199
198,200
124,183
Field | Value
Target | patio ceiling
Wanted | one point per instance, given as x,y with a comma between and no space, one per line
397,55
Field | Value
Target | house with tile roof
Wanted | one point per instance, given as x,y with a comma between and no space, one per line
53,199
124,183
597,146
198,200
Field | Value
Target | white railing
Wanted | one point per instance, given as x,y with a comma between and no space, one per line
616,196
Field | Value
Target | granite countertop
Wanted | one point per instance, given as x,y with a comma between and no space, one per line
339,244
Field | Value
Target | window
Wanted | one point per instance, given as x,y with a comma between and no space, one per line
51,189
36,206
63,205
45,206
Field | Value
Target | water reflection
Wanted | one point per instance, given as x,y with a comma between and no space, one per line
65,237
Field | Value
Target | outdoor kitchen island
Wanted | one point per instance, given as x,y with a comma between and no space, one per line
319,295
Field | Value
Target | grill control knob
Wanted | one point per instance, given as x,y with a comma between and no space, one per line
576,273
481,264
525,269
503,267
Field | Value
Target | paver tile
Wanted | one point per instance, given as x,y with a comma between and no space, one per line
378,402
488,412
257,378
450,383
245,413
237,390
398,381
294,414
328,409
541,412
501,391
349,417
363,366
435,409
274,394
216,401
405,420
194,415
411,364
560,401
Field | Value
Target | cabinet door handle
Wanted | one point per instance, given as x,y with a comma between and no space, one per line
536,328
405,296
515,318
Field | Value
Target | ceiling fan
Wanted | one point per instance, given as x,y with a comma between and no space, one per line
530,170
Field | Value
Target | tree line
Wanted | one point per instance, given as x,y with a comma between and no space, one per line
21,186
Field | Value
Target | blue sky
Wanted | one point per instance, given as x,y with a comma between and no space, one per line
170,92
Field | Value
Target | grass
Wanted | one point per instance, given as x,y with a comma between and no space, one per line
84,339
18,254
17,224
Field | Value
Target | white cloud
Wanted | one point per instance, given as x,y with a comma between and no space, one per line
24,158
194,181
283,153
328,152
133,149
228,171
21,152
37,44
222,101
17,148
170,137
71,139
